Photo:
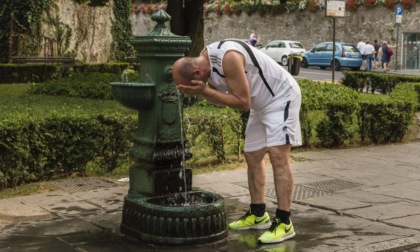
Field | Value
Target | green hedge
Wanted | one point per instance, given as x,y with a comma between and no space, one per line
37,73
375,82
93,86
384,122
39,149
317,96
31,73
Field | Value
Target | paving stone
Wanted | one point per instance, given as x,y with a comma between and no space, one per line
387,211
334,202
412,221
14,211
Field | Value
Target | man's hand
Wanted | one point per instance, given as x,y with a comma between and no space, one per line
196,87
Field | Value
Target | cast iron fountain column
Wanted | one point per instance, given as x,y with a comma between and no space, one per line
161,206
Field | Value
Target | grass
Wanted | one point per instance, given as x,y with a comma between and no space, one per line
27,189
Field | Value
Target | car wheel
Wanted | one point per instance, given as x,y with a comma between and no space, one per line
284,61
304,63
355,68
323,67
337,65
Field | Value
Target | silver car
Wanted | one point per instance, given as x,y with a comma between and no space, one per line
278,50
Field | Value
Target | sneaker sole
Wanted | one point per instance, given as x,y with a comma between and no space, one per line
261,226
289,236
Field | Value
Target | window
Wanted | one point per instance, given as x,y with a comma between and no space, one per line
295,45
319,48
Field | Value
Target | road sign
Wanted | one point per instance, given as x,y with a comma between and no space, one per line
335,8
398,10
398,14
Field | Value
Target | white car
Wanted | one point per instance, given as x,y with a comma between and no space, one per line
278,50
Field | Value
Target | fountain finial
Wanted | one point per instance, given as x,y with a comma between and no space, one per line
161,17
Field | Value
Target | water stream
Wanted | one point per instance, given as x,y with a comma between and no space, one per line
181,118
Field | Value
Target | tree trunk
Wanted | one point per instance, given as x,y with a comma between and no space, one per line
187,20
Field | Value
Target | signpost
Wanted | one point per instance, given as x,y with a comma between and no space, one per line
398,21
334,9
398,14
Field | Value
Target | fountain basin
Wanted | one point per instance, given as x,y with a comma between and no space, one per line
195,217
134,95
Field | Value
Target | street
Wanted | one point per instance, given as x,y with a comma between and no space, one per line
315,73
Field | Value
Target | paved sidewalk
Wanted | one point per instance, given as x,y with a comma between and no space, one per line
363,199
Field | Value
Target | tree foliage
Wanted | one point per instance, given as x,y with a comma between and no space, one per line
121,31
22,17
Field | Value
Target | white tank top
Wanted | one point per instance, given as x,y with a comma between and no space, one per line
282,84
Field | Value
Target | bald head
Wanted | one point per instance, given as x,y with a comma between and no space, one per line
183,70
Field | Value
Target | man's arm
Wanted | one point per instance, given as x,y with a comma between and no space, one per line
234,70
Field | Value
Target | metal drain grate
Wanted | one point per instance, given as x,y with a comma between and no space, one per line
316,189
301,192
333,185
82,184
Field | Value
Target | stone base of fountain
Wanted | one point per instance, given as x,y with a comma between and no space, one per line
195,217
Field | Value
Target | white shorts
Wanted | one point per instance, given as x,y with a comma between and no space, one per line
274,126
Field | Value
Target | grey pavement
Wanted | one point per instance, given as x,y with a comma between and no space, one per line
361,199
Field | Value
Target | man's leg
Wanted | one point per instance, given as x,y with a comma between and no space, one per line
256,217
281,228
256,175
283,176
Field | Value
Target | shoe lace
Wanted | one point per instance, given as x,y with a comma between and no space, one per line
274,224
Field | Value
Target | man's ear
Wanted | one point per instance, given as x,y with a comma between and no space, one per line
196,74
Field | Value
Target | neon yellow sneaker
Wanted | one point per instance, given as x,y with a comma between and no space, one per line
250,221
278,232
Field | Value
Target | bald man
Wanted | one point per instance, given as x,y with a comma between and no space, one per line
237,75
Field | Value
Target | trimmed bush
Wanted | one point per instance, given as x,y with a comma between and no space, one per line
31,73
336,129
375,82
40,149
385,121
93,86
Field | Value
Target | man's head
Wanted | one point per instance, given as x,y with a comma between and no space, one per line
187,69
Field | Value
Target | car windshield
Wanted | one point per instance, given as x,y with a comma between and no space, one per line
295,45
349,48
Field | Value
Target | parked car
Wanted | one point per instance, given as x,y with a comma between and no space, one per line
346,55
278,50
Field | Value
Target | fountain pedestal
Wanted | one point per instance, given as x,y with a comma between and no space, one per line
161,206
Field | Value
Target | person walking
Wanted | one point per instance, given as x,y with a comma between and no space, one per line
360,45
368,51
376,45
386,56
237,75
253,39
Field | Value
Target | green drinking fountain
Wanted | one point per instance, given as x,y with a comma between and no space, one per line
161,206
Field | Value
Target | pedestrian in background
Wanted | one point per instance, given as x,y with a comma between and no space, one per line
368,51
360,45
253,39
376,45
386,56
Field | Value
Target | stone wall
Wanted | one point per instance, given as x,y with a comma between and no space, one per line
91,30
307,27
91,27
